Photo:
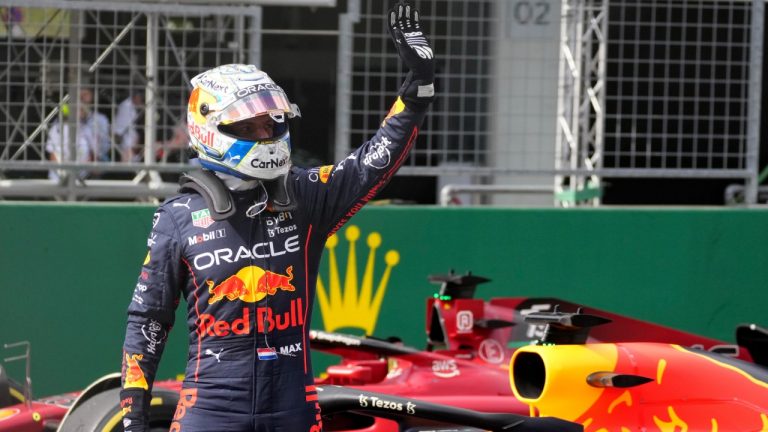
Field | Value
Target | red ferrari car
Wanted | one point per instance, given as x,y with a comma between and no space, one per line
639,385
472,341
344,409
460,381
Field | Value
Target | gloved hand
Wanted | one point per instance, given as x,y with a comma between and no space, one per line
414,49
135,406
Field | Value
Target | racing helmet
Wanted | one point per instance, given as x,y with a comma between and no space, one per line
224,105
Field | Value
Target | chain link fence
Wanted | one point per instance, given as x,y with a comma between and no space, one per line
528,89
679,89
457,131
660,89
94,92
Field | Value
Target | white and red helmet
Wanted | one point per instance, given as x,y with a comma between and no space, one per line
226,95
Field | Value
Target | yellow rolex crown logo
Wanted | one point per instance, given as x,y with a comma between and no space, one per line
355,305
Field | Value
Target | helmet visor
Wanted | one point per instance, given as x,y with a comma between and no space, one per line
264,128
272,101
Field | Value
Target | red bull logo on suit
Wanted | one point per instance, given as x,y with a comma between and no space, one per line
250,284
267,320
132,372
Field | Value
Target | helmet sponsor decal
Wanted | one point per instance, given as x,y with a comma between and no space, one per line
204,136
257,88
269,163
237,152
214,85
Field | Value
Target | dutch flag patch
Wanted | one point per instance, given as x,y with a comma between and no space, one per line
266,353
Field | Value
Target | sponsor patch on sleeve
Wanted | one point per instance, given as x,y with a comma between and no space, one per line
397,108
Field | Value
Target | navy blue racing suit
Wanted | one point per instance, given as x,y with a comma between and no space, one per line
249,284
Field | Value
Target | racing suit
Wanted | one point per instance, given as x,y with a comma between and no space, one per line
249,284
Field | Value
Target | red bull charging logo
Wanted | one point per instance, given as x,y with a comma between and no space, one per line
250,284
134,376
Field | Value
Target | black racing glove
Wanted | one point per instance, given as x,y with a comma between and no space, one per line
414,49
135,406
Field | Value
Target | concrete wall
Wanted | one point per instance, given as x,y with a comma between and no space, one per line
524,124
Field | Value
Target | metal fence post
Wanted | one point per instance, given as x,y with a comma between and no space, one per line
754,101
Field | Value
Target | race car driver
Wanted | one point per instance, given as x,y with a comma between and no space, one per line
242,244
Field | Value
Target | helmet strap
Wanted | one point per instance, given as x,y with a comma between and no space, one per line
258,206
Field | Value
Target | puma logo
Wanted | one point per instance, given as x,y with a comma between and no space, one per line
186,204
217,355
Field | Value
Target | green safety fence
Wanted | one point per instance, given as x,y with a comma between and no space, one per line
68,273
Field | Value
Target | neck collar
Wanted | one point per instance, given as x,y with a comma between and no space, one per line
235,183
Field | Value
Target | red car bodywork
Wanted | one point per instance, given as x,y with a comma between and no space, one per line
674,388
40,415
466,362
45,414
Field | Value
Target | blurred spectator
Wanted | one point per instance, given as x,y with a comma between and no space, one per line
97,125
58,145
173,149
124,128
